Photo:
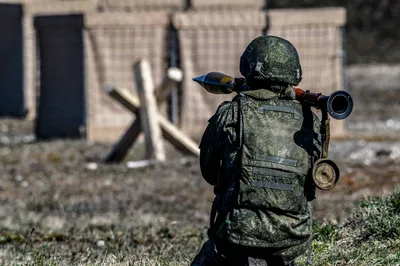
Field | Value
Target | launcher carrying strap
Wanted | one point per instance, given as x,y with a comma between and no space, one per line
325,132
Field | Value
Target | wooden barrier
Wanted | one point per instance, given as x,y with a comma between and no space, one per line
135,104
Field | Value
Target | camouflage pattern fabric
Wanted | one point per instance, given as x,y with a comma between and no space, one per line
271,58
262,195
209,256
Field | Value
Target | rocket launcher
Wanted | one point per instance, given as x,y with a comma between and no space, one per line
338,105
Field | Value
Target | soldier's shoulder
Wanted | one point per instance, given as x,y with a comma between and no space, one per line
225,112
226,106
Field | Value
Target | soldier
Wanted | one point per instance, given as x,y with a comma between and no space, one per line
258,151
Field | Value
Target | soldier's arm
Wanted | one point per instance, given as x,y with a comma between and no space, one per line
213,143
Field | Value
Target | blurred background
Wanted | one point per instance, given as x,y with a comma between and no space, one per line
57,122
60,55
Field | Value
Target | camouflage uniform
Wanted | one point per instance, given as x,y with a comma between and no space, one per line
257,152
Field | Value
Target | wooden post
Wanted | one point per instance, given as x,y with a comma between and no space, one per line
149,111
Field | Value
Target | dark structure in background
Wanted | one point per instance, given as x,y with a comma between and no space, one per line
61,109
173,61
12,100
372,28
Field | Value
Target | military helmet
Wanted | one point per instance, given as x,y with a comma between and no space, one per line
273,59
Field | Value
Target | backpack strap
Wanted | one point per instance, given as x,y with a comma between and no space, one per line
239,100
325,132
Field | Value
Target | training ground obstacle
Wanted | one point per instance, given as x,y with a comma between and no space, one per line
145,107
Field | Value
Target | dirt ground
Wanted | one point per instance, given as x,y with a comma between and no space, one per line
59,201
61,205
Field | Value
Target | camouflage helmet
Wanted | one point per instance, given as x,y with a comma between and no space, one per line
273,59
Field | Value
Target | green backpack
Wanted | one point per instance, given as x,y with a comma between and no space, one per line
266,206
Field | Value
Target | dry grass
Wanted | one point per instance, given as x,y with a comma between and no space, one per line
55,210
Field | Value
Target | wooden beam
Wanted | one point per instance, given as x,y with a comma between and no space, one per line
124,97
170,131
140,164
122,147
149,111
173,77
177,138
